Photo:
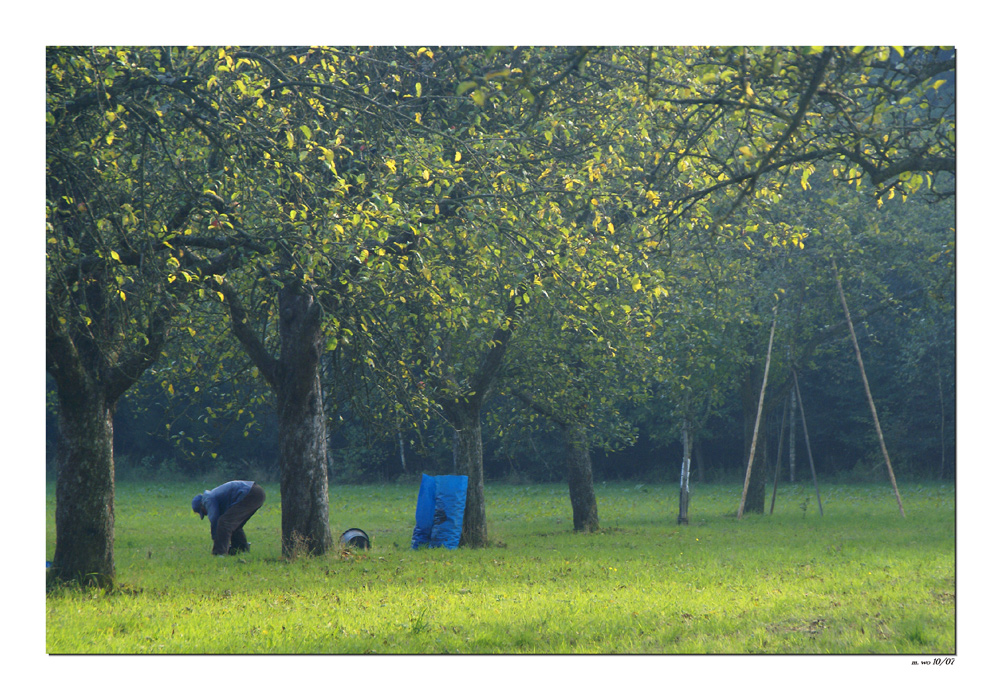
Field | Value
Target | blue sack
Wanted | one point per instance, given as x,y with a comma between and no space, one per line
440,511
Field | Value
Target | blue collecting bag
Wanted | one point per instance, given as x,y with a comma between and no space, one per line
440,511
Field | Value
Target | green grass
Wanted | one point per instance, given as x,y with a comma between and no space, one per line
858,580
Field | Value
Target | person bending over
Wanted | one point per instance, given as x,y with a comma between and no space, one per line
228,507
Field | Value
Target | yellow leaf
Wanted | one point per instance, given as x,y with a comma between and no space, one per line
745,150
458,156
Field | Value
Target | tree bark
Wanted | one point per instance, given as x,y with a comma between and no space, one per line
580,474
468,454
941,404
579,468
685,491
464,415
756,486
700,458
89,383
294,376
85,487
305,507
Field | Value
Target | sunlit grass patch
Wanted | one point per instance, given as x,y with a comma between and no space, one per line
860,579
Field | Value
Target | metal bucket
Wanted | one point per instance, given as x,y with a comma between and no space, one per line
356,538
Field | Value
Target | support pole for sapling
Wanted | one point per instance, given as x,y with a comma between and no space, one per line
805,431
777,465
868,392
756,425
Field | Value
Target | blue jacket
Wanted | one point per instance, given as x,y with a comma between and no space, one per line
220,499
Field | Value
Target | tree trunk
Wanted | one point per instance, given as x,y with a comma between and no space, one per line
685,491
941,404
468,446
88,387
754,486
305,508
777,462
580,475
85,487
700,459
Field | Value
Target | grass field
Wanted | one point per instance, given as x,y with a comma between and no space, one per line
858,580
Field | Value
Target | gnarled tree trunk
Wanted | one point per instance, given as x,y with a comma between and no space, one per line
295,379
85,487
89,383
305,506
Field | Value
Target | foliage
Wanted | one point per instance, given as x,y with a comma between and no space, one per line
603,222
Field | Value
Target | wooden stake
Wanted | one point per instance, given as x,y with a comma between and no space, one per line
777,465
868,392
760,409
805,431
791,440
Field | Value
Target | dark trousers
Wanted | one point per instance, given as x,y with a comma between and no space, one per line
229,529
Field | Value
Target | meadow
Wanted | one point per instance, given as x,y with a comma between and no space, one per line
860,579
